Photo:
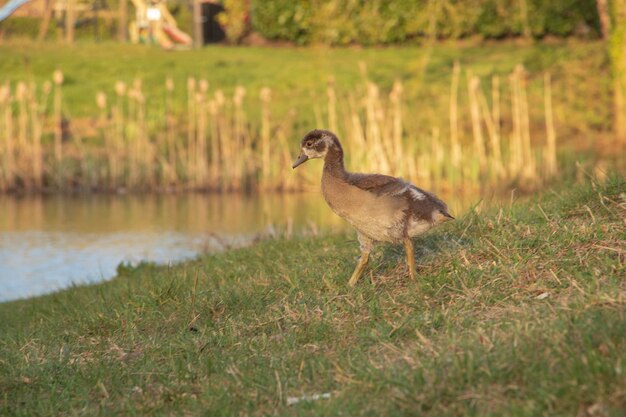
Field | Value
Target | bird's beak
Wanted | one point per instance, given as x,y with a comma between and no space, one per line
301,159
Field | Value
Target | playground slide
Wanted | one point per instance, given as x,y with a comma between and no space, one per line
168,35
162,39
10,7
177,35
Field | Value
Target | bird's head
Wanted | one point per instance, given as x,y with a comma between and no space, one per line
316,144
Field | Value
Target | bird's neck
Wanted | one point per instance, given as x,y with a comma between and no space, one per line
333,163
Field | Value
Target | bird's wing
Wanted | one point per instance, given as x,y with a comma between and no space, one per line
423,204
378,184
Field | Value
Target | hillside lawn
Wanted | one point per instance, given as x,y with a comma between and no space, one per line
298,77
518,310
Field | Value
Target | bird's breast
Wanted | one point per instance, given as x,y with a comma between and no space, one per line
379,217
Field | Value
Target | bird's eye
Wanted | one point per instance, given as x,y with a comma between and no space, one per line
308,143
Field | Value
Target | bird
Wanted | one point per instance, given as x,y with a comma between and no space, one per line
380,207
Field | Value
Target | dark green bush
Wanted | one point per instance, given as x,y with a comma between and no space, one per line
564,17
368,22
376,22
494,20
282,19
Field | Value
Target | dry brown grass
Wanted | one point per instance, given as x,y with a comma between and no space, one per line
219,145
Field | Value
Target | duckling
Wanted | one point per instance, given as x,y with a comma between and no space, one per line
379,207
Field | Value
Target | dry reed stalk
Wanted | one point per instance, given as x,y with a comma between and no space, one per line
266,96
22,151
550,156
215,168
529,171
225,138
221,139
479,142
196,158
284,130
116,139
350,139
317,112
22,119
136,147
83,174
332,105
243,151
57,77
131,139
516,158
145,153
437,157
37,152
231,142
373,129
46,89
495,155
495,104
116,145
234,146
130,123
385,127
363,71
201,164
191,128
424,170
8,148
37,112
158,141
411,162
356,141
454,117
395,98
375,136
107,138
170,173
118,177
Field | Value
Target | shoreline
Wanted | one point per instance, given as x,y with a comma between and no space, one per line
519,310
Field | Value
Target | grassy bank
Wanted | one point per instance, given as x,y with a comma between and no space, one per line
518,311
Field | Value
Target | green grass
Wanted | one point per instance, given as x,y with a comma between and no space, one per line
517,311
298,76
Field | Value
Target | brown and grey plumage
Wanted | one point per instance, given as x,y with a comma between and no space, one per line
380,207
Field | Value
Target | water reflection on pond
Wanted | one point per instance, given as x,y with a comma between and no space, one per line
49,242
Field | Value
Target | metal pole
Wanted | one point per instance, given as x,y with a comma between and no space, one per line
70,20
122,30
198,38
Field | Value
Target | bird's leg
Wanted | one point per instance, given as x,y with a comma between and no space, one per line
358,271
410,256
366,247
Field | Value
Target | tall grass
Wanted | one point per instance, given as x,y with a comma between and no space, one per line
229,143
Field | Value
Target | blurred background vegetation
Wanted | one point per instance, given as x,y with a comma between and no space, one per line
344,22
371,22
450,92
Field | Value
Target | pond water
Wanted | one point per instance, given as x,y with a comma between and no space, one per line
49,242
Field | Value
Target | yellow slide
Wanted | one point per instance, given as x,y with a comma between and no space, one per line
161,24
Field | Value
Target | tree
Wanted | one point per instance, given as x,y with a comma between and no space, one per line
617,55
604,17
